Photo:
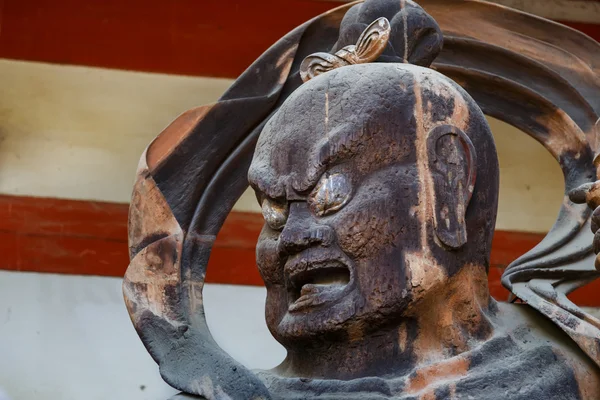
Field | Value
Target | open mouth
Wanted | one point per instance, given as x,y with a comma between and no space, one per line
314,284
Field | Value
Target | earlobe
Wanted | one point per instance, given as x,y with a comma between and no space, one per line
452,164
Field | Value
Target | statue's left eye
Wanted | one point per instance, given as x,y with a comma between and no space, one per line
276,214
331,193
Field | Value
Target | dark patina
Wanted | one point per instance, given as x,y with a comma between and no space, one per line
377,175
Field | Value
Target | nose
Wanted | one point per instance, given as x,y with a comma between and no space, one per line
301,231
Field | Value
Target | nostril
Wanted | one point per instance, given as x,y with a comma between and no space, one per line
324,235
294,239
302,230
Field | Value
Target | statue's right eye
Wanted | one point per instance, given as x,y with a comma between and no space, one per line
275,214
331,194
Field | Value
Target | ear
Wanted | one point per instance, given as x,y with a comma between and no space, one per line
452,163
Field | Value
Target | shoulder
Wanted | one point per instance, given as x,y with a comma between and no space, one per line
546,350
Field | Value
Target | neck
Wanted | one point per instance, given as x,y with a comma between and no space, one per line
445,324
455,319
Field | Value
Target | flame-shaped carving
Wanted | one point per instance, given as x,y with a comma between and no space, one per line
368,48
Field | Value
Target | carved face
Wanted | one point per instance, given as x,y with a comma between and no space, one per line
347,174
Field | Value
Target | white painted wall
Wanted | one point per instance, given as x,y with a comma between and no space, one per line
70,338
531,182
77,132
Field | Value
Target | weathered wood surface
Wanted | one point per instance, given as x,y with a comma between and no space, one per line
435,227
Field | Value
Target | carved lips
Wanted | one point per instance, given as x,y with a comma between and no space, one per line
313,281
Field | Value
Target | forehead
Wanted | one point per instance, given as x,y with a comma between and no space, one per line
361,114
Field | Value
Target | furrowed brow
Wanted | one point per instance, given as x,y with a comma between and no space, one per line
339,145
261,179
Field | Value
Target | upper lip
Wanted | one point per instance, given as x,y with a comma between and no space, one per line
304,267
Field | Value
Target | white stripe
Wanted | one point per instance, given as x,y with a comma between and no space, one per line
76,132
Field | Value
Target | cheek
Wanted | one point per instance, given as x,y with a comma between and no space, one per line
375,229
276,307
267,257
369,226
271,269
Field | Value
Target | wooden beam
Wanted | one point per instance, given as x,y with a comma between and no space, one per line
90,238
189,37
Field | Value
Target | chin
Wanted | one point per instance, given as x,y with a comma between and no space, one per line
350,315
331,319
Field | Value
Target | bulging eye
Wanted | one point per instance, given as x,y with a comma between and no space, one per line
274,213
331,193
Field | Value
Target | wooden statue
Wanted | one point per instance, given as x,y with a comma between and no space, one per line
365,141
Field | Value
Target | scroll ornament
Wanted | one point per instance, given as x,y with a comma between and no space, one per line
370,45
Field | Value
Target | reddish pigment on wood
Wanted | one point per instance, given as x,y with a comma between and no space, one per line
199,38
90,238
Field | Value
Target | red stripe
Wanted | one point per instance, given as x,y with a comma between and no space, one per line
90,238
86,237
191,37
203,38
592,30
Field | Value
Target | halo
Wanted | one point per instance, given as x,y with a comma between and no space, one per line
536,75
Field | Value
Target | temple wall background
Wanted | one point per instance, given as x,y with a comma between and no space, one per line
68,337
77,132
